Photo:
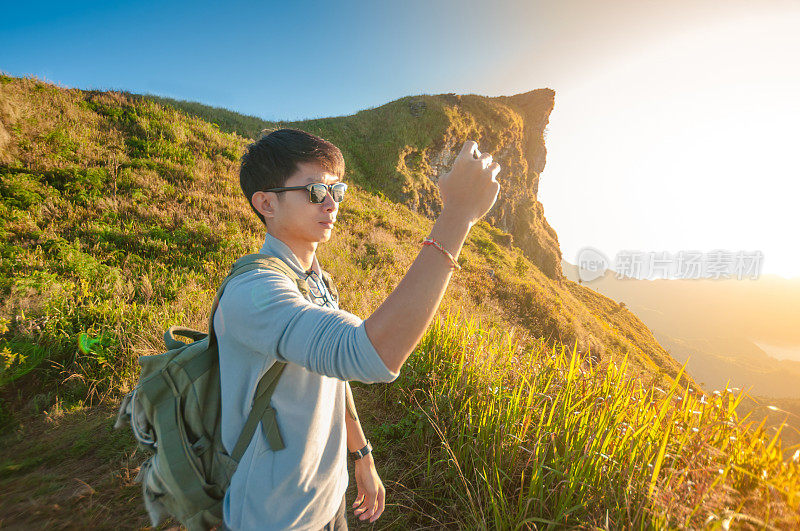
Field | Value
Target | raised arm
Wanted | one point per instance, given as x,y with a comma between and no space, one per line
468,191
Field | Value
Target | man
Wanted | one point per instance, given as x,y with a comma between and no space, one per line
262,317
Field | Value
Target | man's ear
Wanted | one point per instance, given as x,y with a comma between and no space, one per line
265,203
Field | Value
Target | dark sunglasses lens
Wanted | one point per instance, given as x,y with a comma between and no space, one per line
338,190
318,193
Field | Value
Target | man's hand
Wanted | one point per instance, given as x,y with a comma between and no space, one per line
371,497
470,189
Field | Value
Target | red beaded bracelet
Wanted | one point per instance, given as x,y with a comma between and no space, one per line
431,241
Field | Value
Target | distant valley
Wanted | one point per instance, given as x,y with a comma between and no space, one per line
739,333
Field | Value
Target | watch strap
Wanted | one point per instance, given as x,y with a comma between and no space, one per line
358,454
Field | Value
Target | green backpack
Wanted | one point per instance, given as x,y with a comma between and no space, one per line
175,411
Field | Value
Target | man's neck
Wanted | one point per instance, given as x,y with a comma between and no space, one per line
303,251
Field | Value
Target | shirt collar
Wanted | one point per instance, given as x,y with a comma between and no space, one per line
275,247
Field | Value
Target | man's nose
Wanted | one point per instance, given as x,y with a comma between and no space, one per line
329,204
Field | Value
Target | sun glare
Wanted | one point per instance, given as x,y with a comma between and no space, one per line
688,144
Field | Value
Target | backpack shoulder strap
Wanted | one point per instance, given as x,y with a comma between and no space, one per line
261,412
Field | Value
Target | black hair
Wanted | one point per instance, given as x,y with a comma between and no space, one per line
272,159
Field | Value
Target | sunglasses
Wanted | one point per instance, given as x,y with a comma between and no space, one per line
317,191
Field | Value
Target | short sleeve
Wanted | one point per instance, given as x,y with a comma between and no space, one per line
265,312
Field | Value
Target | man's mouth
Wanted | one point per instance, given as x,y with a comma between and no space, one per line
327,224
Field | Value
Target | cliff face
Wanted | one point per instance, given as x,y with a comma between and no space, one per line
419,137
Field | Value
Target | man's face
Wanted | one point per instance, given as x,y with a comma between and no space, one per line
291,217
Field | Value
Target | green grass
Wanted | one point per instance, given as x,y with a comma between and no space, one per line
526,435
227,120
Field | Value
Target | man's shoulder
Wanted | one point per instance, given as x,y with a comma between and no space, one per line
261,275
258,285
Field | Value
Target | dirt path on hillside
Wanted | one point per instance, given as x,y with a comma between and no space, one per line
73,470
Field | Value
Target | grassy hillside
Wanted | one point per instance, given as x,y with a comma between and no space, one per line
401,149
398,150
228,121
120,216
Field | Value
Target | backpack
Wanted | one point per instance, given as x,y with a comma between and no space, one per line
175,412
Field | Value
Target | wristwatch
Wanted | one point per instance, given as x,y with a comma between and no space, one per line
358,454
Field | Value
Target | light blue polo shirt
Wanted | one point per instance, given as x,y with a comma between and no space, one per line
262,316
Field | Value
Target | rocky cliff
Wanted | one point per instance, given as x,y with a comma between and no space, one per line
418,137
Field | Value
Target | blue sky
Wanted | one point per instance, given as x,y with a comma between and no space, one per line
300,59
674,127
277,60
